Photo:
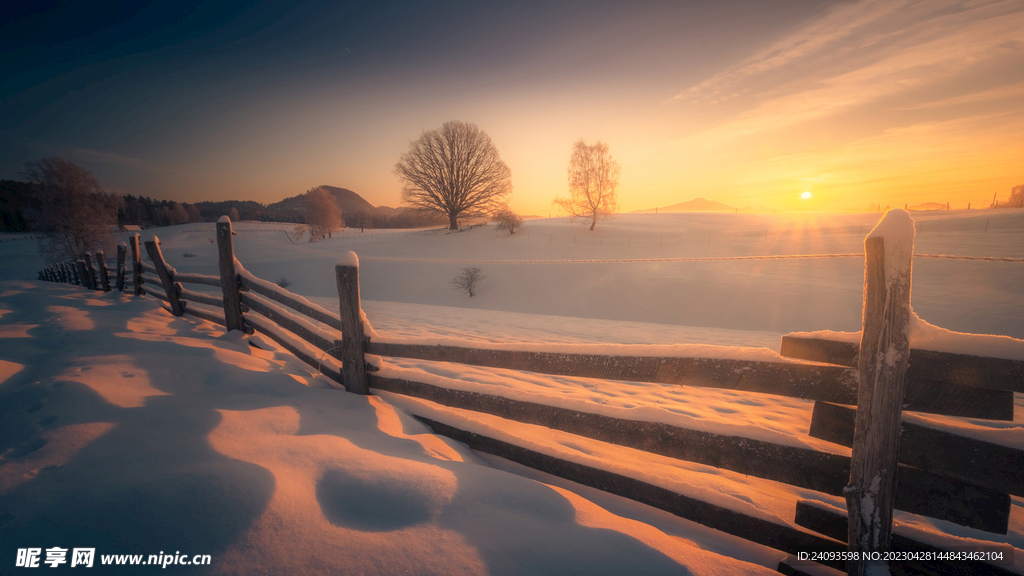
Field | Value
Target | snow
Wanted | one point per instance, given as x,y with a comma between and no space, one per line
168,434
274,288
133,431
926,336
325,332
683,350
224,220
896,228
349,259
764,499
767,296
776,419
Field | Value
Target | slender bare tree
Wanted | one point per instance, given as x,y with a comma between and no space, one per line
593,183
454,170
323,215
72,211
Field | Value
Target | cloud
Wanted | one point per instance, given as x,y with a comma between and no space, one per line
1009,91
857,54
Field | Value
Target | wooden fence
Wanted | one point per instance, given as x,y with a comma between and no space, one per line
924,471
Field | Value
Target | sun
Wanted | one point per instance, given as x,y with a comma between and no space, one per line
805,195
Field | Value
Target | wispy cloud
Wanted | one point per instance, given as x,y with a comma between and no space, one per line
860,53
1003,92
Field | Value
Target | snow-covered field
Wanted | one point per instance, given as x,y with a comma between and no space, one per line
134,432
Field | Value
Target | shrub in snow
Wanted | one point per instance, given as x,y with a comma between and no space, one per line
283,282
468,279
508,220
188,255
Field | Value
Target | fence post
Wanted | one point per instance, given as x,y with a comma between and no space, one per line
104,278
62,272
166,274
353,342
122,252
884,350
90,272
136,264
79,273
233,319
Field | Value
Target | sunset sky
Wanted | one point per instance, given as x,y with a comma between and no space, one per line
745,102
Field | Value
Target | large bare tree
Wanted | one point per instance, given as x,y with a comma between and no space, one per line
593,183
71,209
456,171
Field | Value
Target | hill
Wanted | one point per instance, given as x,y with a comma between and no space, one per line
356,211
928,206
353,206
695,205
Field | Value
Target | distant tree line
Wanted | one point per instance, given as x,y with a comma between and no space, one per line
21,203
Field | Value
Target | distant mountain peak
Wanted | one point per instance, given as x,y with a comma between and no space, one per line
695,205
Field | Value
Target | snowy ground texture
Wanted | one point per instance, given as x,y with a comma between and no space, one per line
134,432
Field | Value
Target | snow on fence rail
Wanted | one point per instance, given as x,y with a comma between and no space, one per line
927,471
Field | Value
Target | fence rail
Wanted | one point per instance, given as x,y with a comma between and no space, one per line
934,473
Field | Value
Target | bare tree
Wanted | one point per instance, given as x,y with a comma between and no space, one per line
1016,196
322,213
508,220
72,211
468,279
593,183
455,171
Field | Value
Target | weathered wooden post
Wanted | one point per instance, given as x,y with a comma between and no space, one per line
80,272
104,277
136,264
122,253
90,272
166,274
233,319
353,340
884,350
62,271
66,271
